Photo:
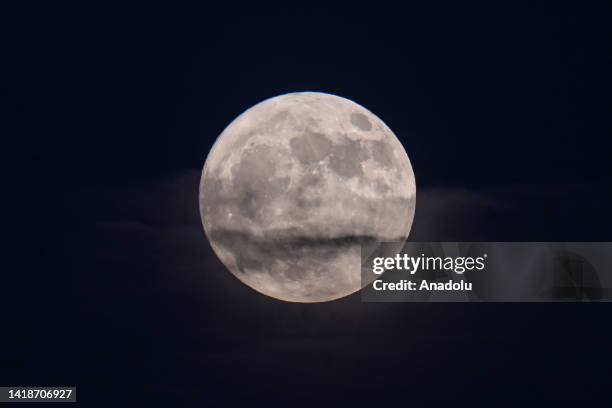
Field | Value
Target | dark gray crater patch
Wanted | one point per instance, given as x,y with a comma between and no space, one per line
360,120
345,159
311,147
382,153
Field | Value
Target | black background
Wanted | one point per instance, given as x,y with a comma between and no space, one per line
504,111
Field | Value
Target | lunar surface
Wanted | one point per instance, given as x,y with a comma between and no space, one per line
294,186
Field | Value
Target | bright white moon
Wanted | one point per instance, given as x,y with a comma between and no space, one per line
294,185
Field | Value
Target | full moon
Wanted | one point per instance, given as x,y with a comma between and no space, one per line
294,186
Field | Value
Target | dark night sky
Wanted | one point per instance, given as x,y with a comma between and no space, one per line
504,111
